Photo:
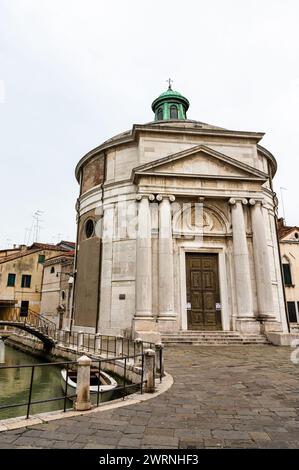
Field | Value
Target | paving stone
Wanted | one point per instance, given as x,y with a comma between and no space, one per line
229,435
237,397
131,443
259,436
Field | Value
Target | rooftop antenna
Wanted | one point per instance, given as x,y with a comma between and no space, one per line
27,235
169,81
282,203
36,227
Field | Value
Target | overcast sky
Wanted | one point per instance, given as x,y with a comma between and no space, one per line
75,72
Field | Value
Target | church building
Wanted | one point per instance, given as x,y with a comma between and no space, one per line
177,231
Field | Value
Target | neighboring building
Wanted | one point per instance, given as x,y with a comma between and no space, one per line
220,274
57,282
289,247
21,277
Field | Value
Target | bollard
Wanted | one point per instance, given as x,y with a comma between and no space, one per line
149,372
159,358
83,385
119,345
98,343
60,334
80,339
67,335
138,350
2,351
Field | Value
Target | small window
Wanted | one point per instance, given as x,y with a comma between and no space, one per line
52,270
292,312
160,114
287,274
24,308
296,235
89,228
62,295
26,280
173,112
41,258
11,280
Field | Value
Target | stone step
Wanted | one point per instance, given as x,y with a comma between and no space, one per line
212,338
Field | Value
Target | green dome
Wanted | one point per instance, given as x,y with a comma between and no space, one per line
170,105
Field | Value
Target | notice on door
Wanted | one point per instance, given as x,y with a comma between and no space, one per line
218,306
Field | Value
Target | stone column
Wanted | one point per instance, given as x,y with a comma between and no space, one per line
261,260
144,259
241,260
166,273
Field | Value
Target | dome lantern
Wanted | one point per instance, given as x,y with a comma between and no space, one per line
170,105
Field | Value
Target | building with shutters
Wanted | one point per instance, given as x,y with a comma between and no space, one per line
21,273
289,247
177,230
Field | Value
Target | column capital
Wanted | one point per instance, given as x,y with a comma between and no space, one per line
234,200
170,197
253,202
150,197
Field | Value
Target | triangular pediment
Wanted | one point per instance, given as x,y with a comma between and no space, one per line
200,161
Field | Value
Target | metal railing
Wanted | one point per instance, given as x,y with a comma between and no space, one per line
33,320
124,386
110,346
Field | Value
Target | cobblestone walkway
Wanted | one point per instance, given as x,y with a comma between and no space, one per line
229,397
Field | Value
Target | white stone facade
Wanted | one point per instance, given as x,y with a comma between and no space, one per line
157,171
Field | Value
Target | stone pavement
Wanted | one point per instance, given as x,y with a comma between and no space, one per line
222,397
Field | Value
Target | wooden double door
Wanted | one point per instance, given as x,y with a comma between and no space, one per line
203,296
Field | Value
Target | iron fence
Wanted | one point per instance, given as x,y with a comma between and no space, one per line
120,367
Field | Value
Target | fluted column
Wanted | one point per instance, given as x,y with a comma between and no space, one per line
241,259
144,258
166,273
261,260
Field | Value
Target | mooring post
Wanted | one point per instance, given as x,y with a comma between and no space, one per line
83,402
119,345
149,372
2,351
98,343
159,358
138,350
80,339
67,335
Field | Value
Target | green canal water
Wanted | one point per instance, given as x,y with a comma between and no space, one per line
15,384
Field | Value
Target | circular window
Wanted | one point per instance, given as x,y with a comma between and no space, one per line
89,228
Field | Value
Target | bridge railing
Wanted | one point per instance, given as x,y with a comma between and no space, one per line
33,319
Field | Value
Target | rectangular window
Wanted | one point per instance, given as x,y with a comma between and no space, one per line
292,312
11,280
26,280
24,308
41,258
287,274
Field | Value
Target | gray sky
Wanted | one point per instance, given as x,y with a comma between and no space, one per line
75,72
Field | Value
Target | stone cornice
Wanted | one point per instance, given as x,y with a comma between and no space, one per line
132,137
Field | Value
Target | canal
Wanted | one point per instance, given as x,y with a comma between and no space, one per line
15,385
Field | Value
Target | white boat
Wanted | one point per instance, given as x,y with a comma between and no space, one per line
105,385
